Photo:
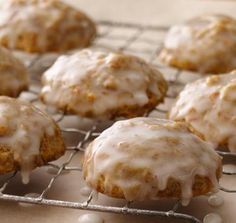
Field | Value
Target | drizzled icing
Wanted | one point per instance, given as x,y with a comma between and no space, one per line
202,43
13,74
96,82
43,21
208,105
22,127
90,218
215,200
212,218
140,155
85,191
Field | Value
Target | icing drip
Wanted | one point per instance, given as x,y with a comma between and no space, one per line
208,105
215,200
90,218
212,218
85,191
140,155
101,82
22,127
231,168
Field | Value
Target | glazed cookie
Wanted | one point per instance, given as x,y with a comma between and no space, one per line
103,85
149,158
13,75
43,26
28,137
205,44
208,106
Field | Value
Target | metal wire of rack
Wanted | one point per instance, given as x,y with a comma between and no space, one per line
131,38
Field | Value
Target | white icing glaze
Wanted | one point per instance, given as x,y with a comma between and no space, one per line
13,74
22,127
208,105
43,18
161,148
215,200
212,218
100,82
95,195
85,191
231,168
90,218
203,41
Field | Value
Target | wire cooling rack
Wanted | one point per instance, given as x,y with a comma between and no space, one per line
144,41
